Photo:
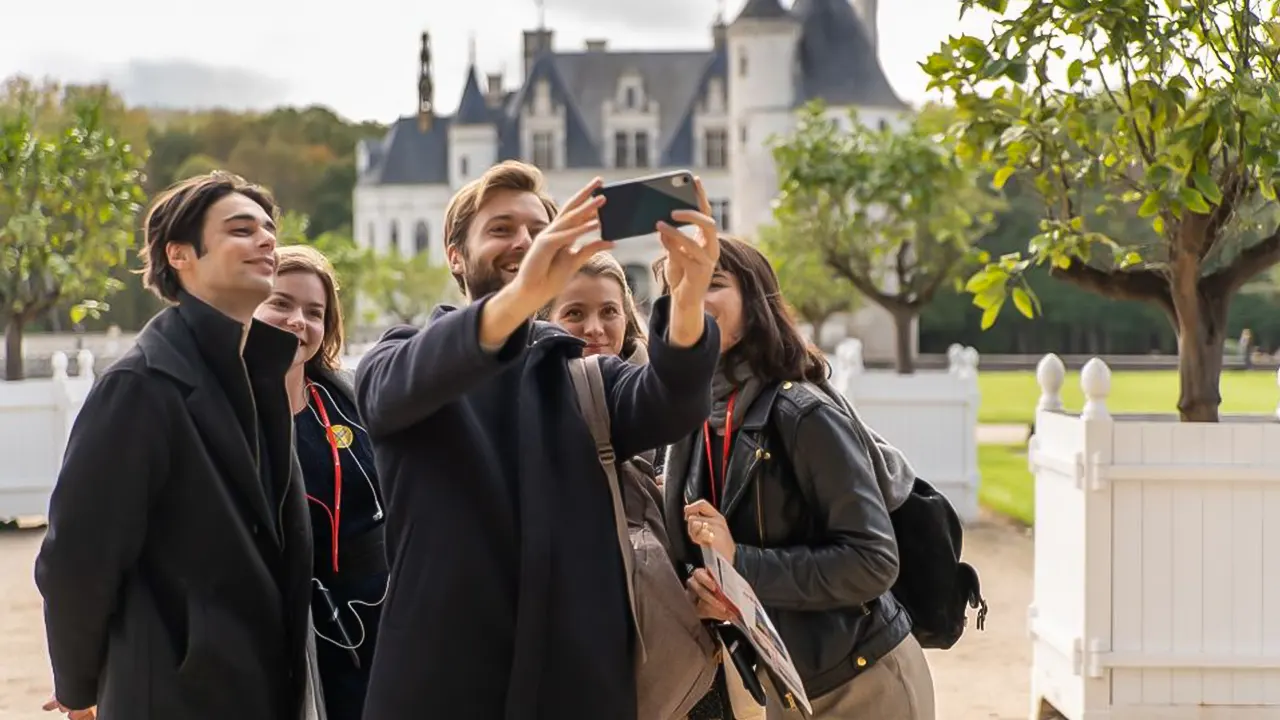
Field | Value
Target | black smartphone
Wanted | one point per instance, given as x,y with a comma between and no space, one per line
633,208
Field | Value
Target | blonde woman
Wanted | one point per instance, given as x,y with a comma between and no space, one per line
349,579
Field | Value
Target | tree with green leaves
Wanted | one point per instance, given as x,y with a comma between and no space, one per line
1165,110
893,211
808,284
70,192
408,286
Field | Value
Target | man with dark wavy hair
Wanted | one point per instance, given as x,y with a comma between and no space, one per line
176,568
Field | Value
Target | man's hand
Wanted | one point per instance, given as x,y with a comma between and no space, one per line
549,265
691,261
86,714
552,259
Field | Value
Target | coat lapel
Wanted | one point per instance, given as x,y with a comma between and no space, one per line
219,426
170,348
748,451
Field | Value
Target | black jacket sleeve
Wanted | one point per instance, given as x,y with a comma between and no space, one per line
658,403
116,458
859,560
411,373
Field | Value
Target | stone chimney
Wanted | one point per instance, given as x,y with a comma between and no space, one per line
597,46
719,33
536,42
493,89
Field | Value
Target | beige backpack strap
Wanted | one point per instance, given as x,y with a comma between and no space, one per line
588,381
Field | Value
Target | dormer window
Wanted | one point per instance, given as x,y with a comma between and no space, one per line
544,150
716,148
631,93
542,98
715,99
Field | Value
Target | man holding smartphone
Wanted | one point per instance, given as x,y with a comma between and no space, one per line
507,597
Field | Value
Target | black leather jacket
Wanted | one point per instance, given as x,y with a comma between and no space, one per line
813,535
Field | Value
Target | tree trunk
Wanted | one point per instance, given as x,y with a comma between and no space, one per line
1202,332
818,321
13,361
903,323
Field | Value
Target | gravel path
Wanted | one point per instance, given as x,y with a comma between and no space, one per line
984,677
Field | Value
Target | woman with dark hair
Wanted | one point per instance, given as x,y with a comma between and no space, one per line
790,487
349,572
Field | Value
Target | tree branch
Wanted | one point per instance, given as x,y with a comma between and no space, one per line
1249,263
1144,285
892,303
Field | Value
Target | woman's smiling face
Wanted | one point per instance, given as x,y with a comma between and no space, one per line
297,305
591,308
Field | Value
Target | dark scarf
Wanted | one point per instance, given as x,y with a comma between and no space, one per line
744,383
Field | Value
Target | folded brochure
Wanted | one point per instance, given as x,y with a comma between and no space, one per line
749,617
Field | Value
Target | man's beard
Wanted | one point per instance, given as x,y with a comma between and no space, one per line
481,279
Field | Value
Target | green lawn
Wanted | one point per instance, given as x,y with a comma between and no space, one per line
1006,483
1010,397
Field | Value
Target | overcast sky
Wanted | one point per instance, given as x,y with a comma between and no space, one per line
361,58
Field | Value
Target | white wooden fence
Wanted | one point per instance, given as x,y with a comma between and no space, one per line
1157,561
931,415
35,419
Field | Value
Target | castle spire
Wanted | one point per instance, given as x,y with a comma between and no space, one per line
426,91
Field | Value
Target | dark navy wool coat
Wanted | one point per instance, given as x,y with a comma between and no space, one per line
507,599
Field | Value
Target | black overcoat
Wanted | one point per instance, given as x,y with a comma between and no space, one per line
175,575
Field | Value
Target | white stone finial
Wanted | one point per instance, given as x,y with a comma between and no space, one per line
955,357
59,363
970,355
1278,385
849,351
848,363
1095,381
84,364
1050,374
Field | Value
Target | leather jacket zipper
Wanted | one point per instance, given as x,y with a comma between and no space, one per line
761,455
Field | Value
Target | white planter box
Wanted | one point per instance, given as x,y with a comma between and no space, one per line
1157,562
931,416
35,420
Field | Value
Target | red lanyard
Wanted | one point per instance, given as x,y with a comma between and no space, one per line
336,515
724,455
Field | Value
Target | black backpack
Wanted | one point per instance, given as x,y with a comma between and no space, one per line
933,584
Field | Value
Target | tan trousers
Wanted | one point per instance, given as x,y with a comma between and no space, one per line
898,687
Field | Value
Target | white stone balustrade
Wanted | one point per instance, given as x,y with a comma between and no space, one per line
930,415
1157,561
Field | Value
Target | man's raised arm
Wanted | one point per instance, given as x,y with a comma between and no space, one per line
411,373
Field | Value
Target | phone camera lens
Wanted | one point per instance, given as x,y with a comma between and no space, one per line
679,181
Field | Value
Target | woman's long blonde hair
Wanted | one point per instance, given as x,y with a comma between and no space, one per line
306,259
607,266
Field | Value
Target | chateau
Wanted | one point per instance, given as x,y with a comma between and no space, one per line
592,111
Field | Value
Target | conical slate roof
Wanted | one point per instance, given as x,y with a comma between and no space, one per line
763,10
472,110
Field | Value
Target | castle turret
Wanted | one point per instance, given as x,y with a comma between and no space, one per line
761,44
473,134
